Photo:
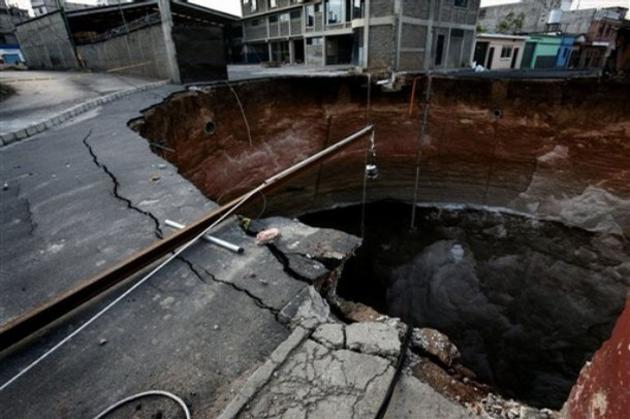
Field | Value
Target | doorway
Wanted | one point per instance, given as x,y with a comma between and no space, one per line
439,50
514,58
298,51
490,59
481,49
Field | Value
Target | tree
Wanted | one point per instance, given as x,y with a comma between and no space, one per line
511,23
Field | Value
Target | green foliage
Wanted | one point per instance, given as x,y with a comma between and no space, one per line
511,23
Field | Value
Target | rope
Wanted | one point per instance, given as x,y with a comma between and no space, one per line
423,131
126,400
240,106
129,291
365,174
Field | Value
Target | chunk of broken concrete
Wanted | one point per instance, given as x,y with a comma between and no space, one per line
373,338
436,344
312,311
330,335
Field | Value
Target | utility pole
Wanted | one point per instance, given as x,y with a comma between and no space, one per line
167,30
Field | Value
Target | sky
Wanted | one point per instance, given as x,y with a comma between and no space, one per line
234,7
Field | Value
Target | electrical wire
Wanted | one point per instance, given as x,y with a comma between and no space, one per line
126,400
423,131
129,291
240,106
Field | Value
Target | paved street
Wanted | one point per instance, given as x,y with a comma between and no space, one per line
41,95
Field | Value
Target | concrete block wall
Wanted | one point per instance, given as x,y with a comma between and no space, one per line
416,9
314,54
412,46
382,46
45,43
139,53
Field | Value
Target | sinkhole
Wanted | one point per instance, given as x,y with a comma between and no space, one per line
527,301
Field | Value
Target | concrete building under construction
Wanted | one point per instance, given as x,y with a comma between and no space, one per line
399,35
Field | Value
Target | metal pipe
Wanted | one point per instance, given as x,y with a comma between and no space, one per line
17,329
208,238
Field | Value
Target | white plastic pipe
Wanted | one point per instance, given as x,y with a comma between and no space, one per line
210,239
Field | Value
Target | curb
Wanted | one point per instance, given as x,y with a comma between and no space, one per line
12,137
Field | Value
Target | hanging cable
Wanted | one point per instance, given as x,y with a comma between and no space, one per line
371,170
423,131
126,400
240,106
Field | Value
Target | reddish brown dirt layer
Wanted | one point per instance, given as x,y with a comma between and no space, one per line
582,127
603,389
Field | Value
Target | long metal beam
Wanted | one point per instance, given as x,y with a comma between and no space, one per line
19,328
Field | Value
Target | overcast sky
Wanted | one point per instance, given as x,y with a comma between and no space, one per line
233,6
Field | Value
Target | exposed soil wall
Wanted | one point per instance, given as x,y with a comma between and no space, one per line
550,148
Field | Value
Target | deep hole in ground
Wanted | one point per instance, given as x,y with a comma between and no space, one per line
527,301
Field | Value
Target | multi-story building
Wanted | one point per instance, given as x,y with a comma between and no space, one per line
395,35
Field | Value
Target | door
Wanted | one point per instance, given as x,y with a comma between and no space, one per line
514,58
298,51
439,50
490,58
528,54
481,49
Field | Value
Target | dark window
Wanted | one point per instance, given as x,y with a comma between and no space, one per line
273,19
334,11
461,3
357,8
439,49
295,14
506,52
310,15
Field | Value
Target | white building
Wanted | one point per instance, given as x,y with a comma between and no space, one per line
499,52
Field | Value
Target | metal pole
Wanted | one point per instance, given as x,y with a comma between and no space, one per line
423,131
19,328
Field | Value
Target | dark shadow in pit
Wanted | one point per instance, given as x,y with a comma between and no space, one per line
526,301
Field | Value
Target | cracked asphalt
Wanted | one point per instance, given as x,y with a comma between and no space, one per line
89,193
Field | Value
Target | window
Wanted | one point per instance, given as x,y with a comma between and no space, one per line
284,17
273,3
254,5
506,52
310,15
461,3
357,9
295,14
273,19
255,22
334,11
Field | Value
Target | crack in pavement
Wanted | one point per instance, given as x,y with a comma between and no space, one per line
158,231
286,264
257,300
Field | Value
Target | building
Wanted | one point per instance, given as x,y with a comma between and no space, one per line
527,16
9,17
622,50
597,37
498,51
41,7
541,51
394,35
179,41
